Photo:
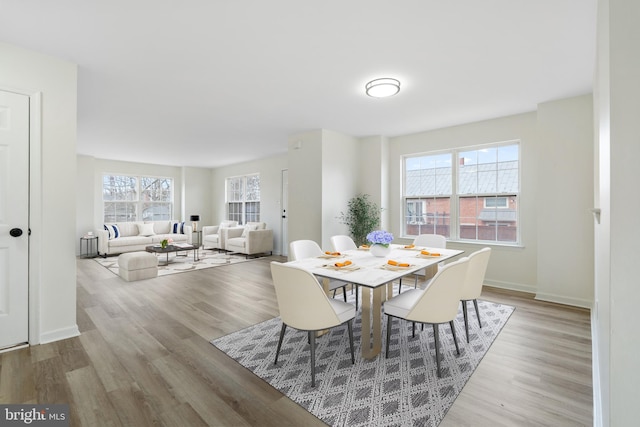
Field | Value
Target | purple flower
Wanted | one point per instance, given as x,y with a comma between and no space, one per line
380,237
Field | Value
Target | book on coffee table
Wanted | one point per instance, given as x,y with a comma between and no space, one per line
182,245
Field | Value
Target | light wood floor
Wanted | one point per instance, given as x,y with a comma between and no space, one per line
144,358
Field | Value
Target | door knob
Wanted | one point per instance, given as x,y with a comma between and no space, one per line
15,232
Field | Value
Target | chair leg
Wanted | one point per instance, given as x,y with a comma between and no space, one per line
284,327
312,347
388,335
466,318
437,340
350,328
400,286
475,303
455,338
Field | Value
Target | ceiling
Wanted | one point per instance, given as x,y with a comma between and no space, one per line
208,83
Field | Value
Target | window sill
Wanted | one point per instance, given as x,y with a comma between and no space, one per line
515,245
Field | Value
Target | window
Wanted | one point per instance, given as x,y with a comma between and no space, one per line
135,198
243,198
427,190
464,194
496,202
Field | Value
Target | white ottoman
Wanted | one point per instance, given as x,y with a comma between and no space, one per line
137,266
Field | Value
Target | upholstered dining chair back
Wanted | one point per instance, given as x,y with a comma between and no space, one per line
301,249
439,301
304,306
472,288
343,243
302,302
478,262
430,241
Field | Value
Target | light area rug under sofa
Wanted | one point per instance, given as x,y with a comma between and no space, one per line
403,390
181,262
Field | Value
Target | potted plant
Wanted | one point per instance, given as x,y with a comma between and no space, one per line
362,217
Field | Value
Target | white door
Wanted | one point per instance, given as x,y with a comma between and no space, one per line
14,219
285,214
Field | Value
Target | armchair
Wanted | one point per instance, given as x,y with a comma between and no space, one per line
251,239
212,237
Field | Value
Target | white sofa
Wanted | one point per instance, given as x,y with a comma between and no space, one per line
136,236
212,237
251,239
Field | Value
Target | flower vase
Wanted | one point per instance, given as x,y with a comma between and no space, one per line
380,251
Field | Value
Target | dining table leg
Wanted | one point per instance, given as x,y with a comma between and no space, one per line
371,339
325,286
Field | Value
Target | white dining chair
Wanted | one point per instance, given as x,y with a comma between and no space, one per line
436,304
301,249
305,306
342,243
472,288
427,241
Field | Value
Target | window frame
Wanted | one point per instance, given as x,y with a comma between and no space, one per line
137,204
454,220
249,207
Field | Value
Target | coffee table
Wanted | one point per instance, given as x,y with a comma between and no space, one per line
172,248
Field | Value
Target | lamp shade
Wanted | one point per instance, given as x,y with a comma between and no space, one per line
381,88
195,217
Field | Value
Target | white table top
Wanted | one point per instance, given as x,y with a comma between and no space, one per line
370,271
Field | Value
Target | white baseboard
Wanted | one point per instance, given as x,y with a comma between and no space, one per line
511,286
576,302
59,334
595,367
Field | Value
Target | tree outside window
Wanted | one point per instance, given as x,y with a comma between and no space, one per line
134,198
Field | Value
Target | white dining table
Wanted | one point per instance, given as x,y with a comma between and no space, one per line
374,275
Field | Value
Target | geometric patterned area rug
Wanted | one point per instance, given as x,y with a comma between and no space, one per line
180,264
403,390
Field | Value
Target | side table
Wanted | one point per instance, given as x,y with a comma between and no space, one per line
196,240
90,242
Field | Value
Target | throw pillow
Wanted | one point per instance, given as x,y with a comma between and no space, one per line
248,228
145,230
178,228
113,231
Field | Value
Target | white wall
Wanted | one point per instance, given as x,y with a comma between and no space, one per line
305,186
539,265
617,340
52,262
373,180
340,172
564,181
510,267
601,313
196,195
270,170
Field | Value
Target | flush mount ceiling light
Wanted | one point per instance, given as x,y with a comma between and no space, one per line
381,88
